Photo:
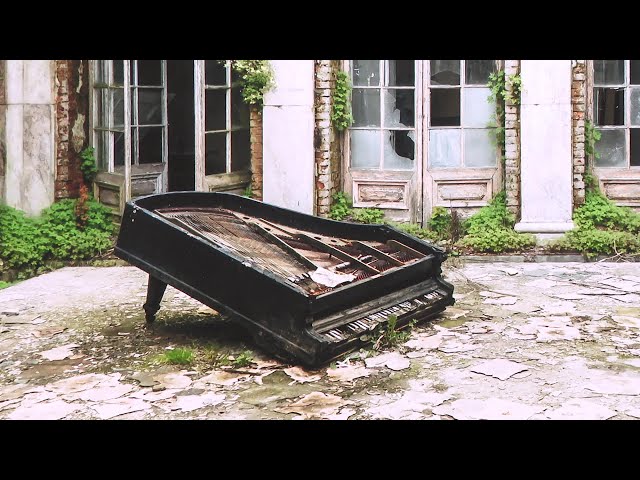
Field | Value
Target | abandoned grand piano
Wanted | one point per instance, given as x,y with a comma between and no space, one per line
307,289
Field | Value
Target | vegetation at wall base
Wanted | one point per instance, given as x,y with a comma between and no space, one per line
62,232
601,227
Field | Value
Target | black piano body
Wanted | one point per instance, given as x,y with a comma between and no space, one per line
280,273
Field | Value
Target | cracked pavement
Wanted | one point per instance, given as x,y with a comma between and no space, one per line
523,341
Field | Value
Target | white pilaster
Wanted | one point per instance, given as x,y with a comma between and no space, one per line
288,128
546,164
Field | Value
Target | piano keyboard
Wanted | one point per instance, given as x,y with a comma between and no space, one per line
371,321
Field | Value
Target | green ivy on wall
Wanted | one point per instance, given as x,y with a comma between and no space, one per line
256,79
341,116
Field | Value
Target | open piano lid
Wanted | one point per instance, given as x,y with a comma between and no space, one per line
306,288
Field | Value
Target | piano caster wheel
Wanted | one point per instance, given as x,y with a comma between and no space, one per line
150,318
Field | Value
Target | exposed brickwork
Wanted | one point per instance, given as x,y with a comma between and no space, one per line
72,113
255,125
326,138
512,145
579,104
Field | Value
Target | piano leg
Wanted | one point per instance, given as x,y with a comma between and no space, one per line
155,291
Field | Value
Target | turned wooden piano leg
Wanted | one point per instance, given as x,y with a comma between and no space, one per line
155,291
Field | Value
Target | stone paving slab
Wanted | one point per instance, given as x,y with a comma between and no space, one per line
524,341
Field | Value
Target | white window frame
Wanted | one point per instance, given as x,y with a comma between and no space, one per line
383,73
627,85
462,86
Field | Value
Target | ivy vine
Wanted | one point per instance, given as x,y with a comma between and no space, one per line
88,165
591,136
497,85
341,115
256,79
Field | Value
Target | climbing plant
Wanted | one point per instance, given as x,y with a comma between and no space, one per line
591,136
88,165
341,116
498,94
256,79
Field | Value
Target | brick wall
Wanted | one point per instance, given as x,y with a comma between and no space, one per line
255,128
512,145
579,104
72,113
326,138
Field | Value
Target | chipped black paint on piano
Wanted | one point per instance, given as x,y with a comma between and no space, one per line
306,288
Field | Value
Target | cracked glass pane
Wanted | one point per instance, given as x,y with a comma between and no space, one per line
402,73
634,105
445,72
608,72
444,148
612,149
445,107
479,148
609,106
477,71
149,106
399,110
399,149
117,106
477,110
366,107
365,148
366,73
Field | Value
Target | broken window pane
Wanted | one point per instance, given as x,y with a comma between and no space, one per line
365,148
117,105
240,150
634,105
609,106
215,110
239,110
608,72
215,73
445,72
477,110
445,107
366,107
612,149
118,72
150,145
444,148
366,73
150,72
118,148
479,148
399,149
635,72
477,71
149,106
402,73
399,108
634,147
215,153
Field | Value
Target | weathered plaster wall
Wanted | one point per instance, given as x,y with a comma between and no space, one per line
288,128
546,153
29,120
72,113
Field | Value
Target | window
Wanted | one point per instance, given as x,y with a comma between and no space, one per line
146,83
461,120
616,112
227,141
383,135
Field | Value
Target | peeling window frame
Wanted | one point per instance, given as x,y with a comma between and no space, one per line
626,127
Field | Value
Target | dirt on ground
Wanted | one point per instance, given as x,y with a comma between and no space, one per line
523,341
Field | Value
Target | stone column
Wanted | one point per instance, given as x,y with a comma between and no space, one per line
29,122
288,151
546,154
